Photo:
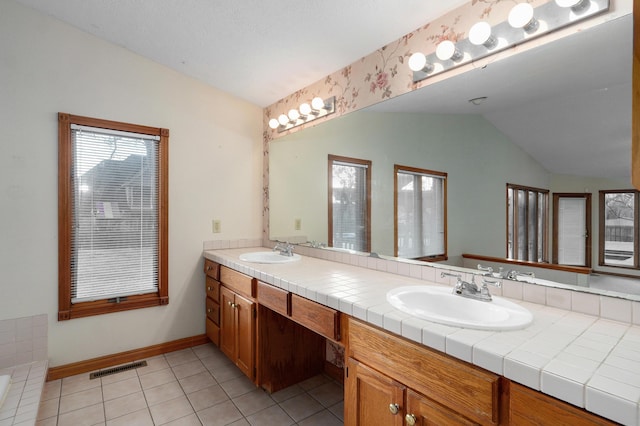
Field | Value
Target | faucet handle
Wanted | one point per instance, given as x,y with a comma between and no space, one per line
495,283
487,269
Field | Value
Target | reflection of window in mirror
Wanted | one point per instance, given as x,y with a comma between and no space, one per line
618,242
420,212
349,202
527,223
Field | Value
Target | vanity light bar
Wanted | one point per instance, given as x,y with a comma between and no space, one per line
305,113
524,23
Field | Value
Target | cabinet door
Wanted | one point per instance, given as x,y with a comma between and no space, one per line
227,322
372,398
422,411
245,335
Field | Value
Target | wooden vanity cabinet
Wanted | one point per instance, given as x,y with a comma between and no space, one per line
438,389
238,319
530,407
212,301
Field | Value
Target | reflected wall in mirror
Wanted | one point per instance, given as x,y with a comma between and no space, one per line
542,125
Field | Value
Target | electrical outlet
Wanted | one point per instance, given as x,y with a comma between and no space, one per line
216,226
297,224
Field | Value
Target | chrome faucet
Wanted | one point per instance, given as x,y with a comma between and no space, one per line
513,274
487,269
285,248
471,289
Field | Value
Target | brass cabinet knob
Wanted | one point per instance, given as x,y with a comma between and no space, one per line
394,408
209,310
410,419
209,288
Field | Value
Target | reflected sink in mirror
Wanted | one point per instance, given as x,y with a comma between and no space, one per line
439,304
268,257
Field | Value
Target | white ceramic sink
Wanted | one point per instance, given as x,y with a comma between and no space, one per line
268,257
439,304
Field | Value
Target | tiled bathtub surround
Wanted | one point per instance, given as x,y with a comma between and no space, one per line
23,356
23,340
588,356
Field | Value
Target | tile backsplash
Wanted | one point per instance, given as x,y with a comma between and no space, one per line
23,340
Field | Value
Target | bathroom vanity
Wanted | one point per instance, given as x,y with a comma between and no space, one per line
394,372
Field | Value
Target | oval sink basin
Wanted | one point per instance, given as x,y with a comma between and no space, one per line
439,304
268,257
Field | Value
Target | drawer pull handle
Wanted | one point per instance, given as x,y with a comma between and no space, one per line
209,310
209,288
233,305
394,408
410,419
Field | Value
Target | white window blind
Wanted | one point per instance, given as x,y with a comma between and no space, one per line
115,214
420,213
349,182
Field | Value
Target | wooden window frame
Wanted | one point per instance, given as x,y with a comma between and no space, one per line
545,231
414,170
636,231
368,164
555,226
66,309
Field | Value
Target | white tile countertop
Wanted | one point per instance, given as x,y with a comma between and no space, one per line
588,361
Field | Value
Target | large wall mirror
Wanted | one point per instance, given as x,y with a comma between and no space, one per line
556,117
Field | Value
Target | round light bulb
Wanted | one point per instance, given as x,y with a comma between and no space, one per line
480,34
305,109
317,103
293,114
274,123
447,50
521,16
417,61
283,119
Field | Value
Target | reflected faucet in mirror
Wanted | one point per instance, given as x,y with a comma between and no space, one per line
285,248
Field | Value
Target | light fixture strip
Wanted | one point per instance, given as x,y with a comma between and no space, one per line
302,117
549,16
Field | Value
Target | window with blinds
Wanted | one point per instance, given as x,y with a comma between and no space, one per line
113,218
115,221
527,223
420,213
349,203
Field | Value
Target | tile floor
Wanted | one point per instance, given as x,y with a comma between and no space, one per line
196,386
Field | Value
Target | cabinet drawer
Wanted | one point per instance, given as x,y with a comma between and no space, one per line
213,311
213,289
236,281
475,393
212,269
213,332
316,317
274,298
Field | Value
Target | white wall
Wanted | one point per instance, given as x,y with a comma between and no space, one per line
479,160
215,171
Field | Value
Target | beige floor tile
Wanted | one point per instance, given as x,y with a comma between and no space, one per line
157,378
253,402
220,414
137,418
338,410
48,408
197,382
301,406
205,351
117,377
163,393
51,390
153,364
323,418
180,357
272,416
188,369
238,386
190,420
327,394
287,393
170,410
79,400
121,388
51,421
207,397
91,415
124,405
78,383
